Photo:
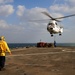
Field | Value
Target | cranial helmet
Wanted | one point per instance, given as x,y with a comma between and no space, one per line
2,38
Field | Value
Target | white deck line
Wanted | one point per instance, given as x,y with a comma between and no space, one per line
31,54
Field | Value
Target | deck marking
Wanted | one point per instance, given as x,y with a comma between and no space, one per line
31,54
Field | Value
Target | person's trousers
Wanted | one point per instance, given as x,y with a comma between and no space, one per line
2,61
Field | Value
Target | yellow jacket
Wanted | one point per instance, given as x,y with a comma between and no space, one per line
4,48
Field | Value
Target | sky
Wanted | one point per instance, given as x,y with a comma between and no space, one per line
16,16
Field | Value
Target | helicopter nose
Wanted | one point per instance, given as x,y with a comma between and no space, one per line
51,28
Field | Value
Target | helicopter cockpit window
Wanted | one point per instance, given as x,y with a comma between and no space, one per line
56,23
50,24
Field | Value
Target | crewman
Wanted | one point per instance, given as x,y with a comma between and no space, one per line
54,43
3,48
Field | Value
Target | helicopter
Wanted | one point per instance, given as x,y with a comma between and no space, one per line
53,27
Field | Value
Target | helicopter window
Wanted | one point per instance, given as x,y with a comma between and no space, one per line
50,24
56,23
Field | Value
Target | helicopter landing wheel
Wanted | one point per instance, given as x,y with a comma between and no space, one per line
51,35
60,34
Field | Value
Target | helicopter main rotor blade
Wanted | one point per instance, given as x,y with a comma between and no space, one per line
65,16
47,14
50,16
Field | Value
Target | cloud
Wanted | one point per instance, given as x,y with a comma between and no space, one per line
5,1
67,7
70,1
3,24
29,17
31,14
8,26
21,10
60,8
22,32
6,10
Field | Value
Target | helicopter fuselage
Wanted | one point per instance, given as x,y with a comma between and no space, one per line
54,28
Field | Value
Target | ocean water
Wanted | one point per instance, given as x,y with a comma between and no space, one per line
66,44
21,45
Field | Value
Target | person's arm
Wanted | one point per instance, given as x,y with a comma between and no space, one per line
7,48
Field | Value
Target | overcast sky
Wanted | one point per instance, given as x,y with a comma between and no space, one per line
15,16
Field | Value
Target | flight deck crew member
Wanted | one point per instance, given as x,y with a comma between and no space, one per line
3,48
54,43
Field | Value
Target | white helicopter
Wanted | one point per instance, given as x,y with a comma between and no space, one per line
53,26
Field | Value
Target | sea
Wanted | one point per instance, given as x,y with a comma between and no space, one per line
21,45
